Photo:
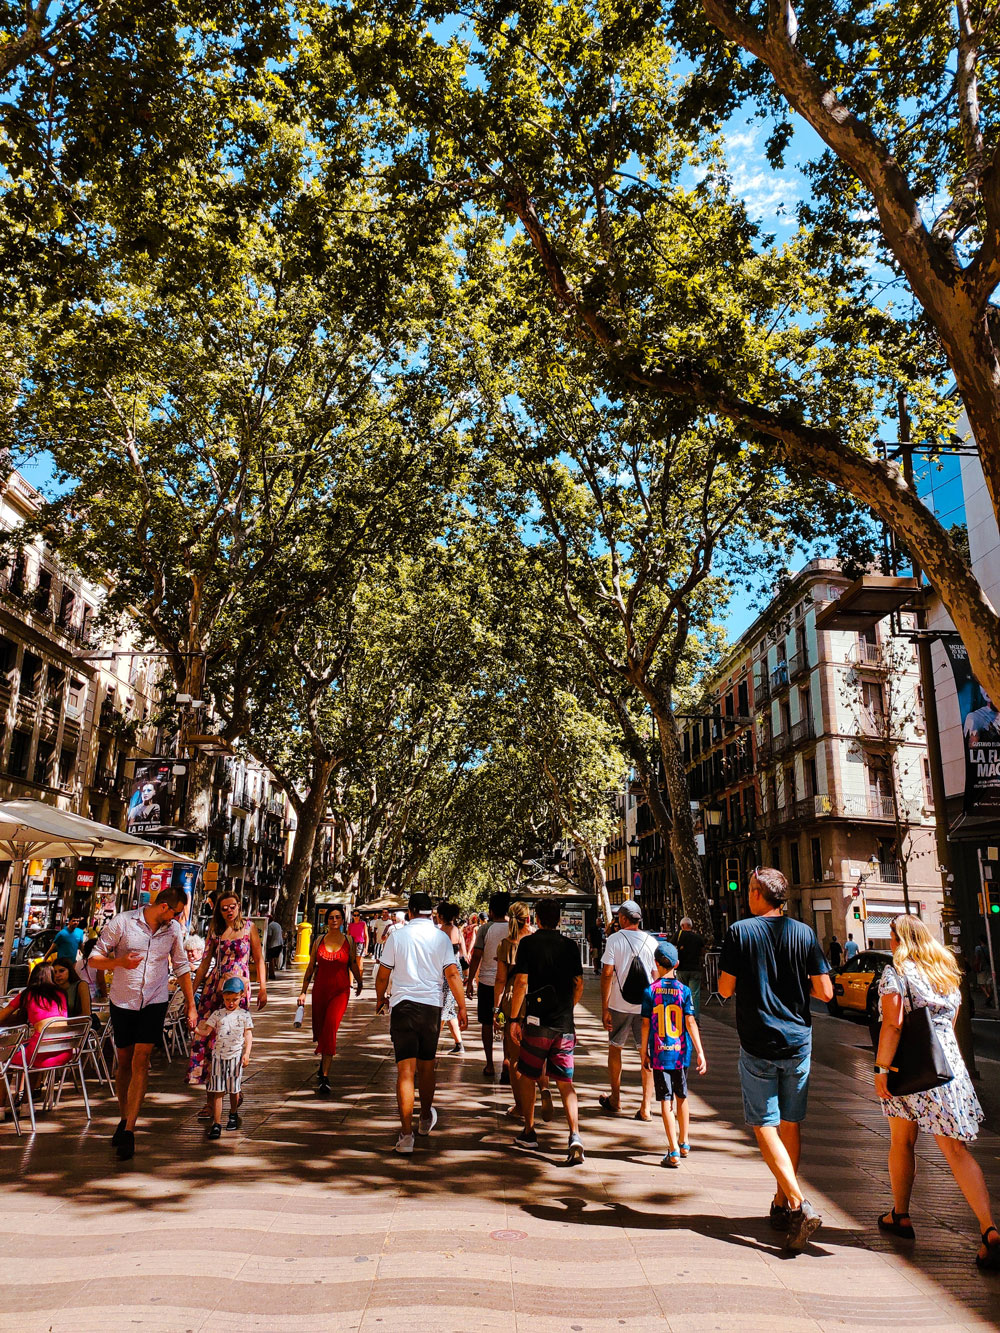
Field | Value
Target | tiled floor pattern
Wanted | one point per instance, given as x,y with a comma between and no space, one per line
306,1220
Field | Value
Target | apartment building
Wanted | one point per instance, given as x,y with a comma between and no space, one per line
810,756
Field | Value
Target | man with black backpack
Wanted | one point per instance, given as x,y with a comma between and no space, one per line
626,972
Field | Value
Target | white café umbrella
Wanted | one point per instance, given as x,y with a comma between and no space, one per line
31,829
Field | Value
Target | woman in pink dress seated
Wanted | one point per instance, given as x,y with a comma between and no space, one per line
41,999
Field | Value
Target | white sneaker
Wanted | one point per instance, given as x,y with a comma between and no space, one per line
404,1144
427,1122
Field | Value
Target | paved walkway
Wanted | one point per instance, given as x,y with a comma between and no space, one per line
305,1219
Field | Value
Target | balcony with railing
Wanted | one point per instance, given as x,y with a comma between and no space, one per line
889,872
802,730
866,654
798,664
876,725
761,690
779,679
782,742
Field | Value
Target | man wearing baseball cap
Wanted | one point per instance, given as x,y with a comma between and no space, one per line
420,960
626,972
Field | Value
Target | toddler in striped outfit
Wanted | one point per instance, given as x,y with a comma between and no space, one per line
233,1030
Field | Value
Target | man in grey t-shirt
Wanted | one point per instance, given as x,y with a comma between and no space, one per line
483,965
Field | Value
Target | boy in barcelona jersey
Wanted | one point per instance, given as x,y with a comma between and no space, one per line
669,1033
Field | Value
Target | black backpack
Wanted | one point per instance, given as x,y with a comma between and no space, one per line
637,979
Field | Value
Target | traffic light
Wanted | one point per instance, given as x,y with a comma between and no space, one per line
733,874
991,899
860,909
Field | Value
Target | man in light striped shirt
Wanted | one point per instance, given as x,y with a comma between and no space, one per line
138,948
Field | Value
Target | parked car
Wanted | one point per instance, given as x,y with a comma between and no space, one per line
28,953
855,987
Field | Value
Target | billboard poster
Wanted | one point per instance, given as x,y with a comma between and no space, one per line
150,802
980,735
154,878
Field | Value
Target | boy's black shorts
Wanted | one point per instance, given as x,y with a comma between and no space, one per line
670,1083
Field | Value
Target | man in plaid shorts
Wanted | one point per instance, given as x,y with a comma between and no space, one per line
548,983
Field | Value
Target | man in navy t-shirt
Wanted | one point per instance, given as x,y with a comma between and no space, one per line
774,965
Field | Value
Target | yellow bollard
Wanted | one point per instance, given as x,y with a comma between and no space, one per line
303,944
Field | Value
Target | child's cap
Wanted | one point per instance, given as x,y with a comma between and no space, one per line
233,986
666,954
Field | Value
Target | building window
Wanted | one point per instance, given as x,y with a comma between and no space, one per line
43,763
20,744
67,767
816,847
743,696
776,855
8,656
75,697
32,671
794,853
928,785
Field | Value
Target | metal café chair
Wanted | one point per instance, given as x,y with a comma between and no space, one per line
12,1062
175,1030
94,1052
61,1036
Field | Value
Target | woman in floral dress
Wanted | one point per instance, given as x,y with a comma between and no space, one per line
924,974
232,943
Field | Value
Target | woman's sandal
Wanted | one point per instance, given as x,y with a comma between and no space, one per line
895,1227
991,1259
685,1148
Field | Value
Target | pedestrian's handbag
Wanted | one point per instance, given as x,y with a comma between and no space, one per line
636,982
920,1062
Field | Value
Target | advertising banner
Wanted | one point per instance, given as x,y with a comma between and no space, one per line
151,798
981,735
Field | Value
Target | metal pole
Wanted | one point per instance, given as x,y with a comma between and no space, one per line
986,918
13,905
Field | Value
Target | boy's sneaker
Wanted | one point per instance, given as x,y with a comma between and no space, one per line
527,1140
234,1121
802,1222
778,1216
457,1049
427,1122
404,1144
575,1155
214,1131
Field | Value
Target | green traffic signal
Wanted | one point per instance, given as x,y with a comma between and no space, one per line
735,888
994,908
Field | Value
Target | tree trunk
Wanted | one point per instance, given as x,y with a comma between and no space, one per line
310,816
683,848
683,844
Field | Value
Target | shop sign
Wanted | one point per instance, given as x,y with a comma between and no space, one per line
85,879
980,735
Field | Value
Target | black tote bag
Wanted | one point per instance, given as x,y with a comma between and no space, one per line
920,1062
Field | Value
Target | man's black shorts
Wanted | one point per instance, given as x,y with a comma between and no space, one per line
414,1030
138,1027
485,1004
670,1083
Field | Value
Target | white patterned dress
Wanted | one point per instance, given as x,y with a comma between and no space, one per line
953,1109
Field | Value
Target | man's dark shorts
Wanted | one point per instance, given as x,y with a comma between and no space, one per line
414,1030
670,1083
485,1004
138,1027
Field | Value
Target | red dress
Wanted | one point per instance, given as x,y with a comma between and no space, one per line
331,989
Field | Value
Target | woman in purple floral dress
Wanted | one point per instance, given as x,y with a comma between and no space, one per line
232,943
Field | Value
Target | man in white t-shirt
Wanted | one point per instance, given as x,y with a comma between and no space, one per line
420,960
382,928
483,964
621,1017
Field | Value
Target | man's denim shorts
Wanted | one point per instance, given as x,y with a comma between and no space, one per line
775,1090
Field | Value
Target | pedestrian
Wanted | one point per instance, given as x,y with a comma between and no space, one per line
232,944
669,1032
518,929
94,977
358,932
334,959
596,941
626,972
483,967
691,949
68,941
850,948
984,977
548,983
925,975
774,965
274,943
382,927
138,948
447,914
231,1029
470,930
420,961
836,952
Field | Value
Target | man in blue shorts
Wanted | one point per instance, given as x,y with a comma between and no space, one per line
548,983
773,965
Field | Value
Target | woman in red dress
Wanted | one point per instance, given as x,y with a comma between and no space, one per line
333,960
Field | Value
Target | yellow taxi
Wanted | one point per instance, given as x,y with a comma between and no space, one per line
855,984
